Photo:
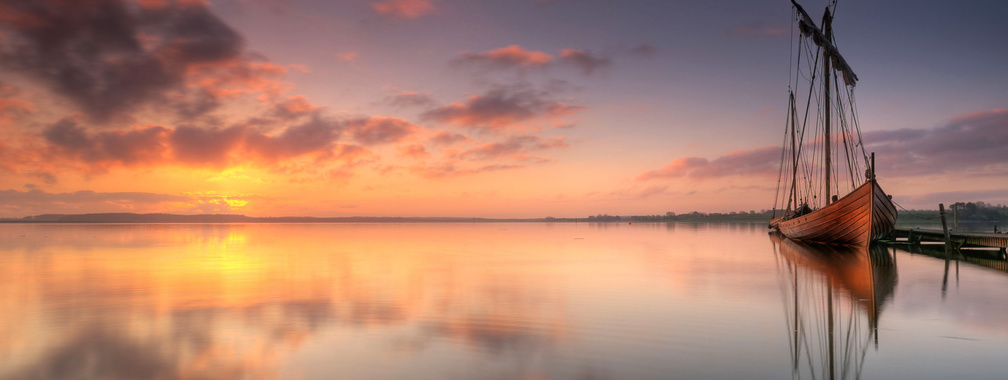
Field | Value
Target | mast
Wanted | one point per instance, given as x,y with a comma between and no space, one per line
793,199
828,31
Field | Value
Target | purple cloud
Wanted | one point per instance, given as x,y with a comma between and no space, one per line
380,129
976,143
109,56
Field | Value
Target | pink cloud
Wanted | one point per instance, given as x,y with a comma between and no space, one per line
347,56
761,161
404,9
507,57
515,148
500,109
444,170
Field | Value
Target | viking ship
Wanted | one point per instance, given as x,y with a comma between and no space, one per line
824,156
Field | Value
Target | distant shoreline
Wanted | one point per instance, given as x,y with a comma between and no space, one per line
233,218
912,218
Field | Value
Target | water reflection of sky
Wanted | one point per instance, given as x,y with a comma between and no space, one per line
440,301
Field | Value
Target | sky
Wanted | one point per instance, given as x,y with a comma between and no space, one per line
474,108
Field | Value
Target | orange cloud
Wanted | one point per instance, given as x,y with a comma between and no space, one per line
413,151
404,9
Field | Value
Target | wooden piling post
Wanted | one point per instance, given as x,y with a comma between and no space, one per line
955,217
948,240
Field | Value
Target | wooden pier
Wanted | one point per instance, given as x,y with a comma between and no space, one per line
958,239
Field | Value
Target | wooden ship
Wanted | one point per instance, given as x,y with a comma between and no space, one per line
825,131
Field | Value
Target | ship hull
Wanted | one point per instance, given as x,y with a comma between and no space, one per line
859,218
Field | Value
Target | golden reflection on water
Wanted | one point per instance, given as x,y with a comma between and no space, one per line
231,301
433,301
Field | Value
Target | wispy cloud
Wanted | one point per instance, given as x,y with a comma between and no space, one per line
415,151
403,9
757,29
762,161
644,51
587,61
410,99
975,144
515,147
451,169
34,202
501,109
380,129
513,56
448,138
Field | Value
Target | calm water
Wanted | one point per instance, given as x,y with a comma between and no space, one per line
484,301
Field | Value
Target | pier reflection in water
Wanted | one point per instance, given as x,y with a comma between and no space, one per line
833,296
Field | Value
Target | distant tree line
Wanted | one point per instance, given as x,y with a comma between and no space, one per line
964,211
980,211
751,215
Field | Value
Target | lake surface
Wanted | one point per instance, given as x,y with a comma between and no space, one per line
484,301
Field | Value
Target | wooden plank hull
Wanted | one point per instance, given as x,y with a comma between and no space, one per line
859,218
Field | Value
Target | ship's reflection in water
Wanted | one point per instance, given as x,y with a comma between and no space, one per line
834,296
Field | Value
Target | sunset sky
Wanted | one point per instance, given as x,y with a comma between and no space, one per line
519,108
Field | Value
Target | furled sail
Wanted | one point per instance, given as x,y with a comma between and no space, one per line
809,29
